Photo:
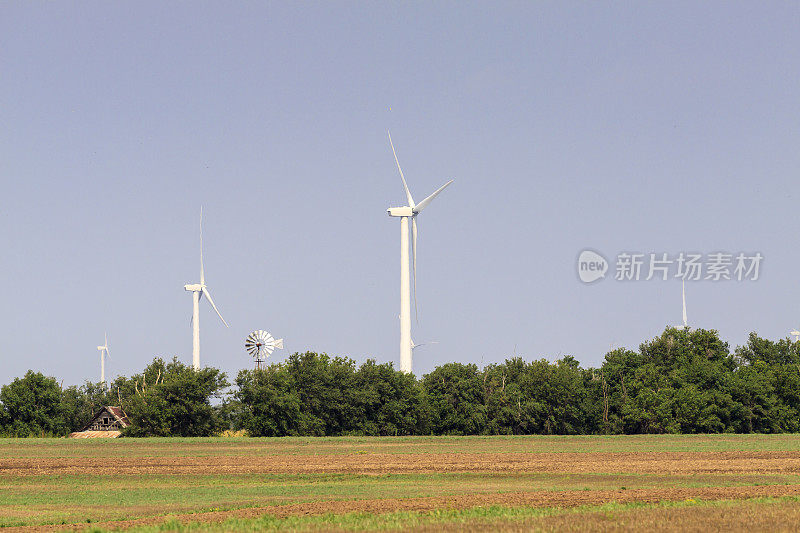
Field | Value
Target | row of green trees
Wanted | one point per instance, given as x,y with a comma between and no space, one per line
684,381
166,399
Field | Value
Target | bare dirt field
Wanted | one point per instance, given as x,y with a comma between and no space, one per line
412,463
508,483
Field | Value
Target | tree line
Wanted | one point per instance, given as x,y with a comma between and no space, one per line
684,381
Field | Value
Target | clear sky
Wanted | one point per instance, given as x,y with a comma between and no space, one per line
621,126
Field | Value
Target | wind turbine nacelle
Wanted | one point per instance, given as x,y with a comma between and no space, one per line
101,347
400,211
195,287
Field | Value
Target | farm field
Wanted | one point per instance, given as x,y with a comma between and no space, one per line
580,483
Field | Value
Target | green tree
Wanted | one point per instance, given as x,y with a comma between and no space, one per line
326,390
768,384
537,397
80,404
172,399
456,396
31,406
681,381
270,405
389,402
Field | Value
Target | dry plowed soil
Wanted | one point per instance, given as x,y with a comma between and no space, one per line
314,480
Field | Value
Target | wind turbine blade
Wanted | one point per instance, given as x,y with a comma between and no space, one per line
424,203
422,344
208,297
414,254
683,291
202,275
405,185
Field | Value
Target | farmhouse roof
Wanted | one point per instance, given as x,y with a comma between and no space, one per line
116,412
120,415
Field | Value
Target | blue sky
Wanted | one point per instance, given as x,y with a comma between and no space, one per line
650,127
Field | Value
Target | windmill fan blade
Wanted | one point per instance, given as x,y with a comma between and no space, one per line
424,203
251,341
268,343
211,301
414,254
405,185
260,344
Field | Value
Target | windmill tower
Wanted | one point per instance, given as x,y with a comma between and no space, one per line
404,213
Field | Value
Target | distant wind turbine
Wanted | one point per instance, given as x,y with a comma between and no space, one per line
104,352
198,289
683,295
404,213
796,335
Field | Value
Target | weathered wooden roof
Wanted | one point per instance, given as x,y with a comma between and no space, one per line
116,412
120,415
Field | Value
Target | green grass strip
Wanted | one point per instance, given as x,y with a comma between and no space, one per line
403,520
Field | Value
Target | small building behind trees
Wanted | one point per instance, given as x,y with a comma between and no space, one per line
107,423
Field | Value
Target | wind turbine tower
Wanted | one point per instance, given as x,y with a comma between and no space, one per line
404,213
198,290
683,295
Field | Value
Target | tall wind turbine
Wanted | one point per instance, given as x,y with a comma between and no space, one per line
404,213
683,295
104,352
198,289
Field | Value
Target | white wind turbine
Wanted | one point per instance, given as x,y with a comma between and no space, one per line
104,352
198,289
406,212
683,294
